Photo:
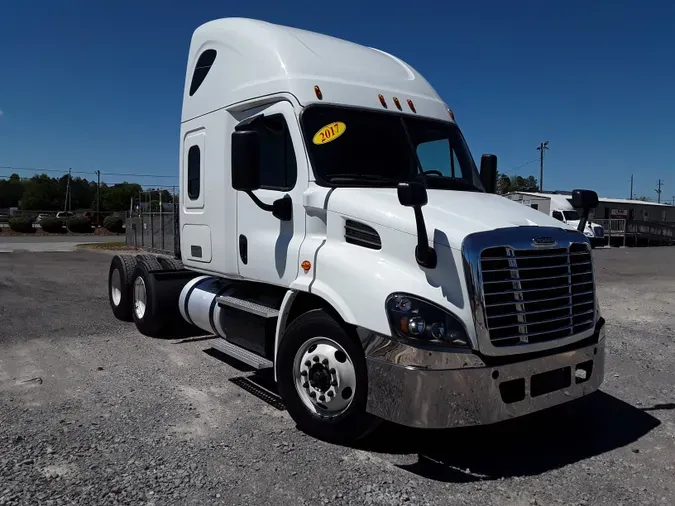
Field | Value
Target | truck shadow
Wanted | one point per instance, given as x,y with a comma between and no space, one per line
528,446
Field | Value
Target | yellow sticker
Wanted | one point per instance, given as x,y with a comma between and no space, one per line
329,132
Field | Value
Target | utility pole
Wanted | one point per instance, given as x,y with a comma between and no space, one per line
658,191
66,206
543,146
98,197
631,186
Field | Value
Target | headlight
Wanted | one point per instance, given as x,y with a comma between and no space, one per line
413,319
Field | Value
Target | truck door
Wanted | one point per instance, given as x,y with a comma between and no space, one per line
268,247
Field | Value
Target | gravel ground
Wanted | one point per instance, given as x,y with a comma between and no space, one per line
93,413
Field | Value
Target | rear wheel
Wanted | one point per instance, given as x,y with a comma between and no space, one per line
119,286
146,303
323,380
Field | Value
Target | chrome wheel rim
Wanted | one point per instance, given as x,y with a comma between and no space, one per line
140,298
116,287
324,376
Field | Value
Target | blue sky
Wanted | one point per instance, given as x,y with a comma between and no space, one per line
98,85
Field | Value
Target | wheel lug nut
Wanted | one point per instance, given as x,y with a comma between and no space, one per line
333,383
316,359
312,394
305,385
322,398
308,363
324,361
330,393
332,370
303,373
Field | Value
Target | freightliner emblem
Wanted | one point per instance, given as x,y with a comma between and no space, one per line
544,242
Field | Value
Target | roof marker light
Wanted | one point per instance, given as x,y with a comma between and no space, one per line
317,92
384,104
452,114
397,103
411,105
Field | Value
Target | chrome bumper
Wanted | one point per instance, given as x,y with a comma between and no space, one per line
466,393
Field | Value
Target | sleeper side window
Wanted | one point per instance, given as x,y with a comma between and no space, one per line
202,67
193,172
278,165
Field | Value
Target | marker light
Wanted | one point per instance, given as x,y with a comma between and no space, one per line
317,92
397,103
411,105
384,104
452,114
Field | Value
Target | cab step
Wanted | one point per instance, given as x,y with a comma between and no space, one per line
245,356
248,306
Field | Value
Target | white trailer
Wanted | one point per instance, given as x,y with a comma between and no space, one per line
334,228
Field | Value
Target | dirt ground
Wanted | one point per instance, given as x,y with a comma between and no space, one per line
93,413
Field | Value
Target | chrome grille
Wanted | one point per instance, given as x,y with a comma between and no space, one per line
537,295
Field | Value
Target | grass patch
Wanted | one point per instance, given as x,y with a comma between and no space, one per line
107,246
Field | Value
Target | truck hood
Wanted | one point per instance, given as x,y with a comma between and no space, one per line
454,213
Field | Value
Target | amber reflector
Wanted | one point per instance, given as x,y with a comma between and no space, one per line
318,93
411,105
397,103
384,104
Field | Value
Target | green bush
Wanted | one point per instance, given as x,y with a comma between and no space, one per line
79,224
114,224
23,225
52,225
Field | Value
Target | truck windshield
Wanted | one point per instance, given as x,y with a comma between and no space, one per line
357,147
571,215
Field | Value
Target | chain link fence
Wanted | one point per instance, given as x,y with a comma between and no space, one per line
152,224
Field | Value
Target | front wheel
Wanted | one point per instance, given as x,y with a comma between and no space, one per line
323,380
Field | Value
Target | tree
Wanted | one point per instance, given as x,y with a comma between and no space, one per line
42,193
11,191
506,184
118,197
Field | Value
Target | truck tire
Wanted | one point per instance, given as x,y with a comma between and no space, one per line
170,264
151,316
323,380
119,286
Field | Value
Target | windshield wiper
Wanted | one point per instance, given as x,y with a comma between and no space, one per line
370,178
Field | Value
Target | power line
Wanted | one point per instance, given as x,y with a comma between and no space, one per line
65,172
522,165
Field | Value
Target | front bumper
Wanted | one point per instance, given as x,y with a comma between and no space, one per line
468,394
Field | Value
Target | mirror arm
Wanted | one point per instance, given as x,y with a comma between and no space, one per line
425,256
265,207
582,221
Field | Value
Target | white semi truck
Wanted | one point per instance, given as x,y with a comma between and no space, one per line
559,207
334,228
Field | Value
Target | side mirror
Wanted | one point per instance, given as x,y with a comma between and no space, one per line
584,199
488,173
412,194
245,160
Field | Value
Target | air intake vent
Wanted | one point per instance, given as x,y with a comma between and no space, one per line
362,235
